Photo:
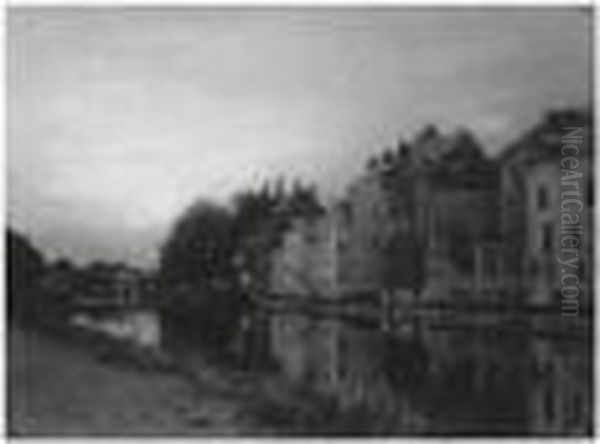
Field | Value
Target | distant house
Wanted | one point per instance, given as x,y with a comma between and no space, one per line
117,302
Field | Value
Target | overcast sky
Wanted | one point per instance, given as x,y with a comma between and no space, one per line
118,118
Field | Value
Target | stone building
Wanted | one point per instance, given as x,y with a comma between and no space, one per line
547,203
304,268
416,219
537,181
476,241
422,218
456,219
419,220
305,264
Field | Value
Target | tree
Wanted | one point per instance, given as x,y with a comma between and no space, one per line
24,266
261,218
372,163
61,285
404,151
388,158
303,202
199,249
201,301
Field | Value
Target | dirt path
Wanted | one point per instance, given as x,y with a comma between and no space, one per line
58,389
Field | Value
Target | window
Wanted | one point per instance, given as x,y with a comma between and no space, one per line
542,197
547,235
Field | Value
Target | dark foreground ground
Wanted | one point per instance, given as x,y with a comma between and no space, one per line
65,387
60,388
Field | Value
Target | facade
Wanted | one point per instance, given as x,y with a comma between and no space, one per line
456,219
399,228
548,210
306,262
367,227
537,181
416,220
466,249
422,219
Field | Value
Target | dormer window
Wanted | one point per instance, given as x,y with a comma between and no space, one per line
547,237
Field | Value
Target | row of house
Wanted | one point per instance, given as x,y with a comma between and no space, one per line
417,218
437,223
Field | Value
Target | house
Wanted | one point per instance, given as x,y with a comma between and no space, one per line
417,218
305,264
465,248
115,301
539,193
548,203
455,216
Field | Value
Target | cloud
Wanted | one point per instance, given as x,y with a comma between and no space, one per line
118,118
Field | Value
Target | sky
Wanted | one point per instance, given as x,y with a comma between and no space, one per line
118,119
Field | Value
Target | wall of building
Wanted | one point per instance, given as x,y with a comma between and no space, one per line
531,221
543,231
360,258
306,262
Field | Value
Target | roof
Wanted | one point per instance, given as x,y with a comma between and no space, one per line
543,141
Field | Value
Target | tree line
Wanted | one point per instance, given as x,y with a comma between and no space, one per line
216,255
213,256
